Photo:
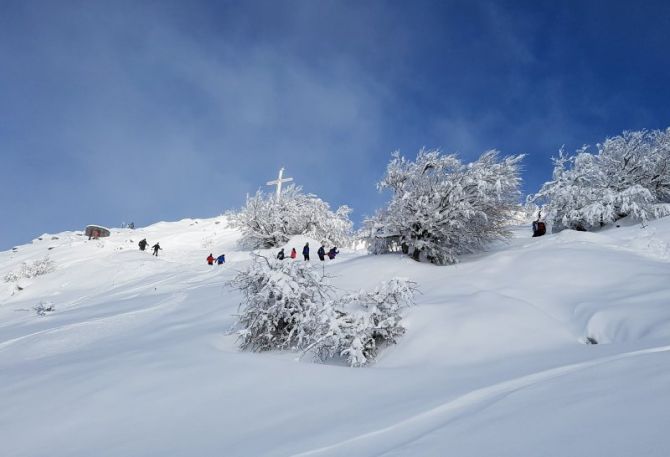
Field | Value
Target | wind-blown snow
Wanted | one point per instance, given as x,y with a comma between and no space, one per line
135,358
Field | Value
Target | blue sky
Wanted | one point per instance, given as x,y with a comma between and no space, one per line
159,110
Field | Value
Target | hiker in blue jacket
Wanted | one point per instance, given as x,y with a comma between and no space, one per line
305,252
221,259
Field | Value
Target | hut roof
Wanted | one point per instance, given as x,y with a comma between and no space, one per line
97,231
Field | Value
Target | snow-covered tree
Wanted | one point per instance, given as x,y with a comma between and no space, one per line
290,306
442,208
628,175
267,221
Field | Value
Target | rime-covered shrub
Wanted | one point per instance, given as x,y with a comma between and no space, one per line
289,305
267,221
39,268
12,276
43,308
364,321
31,270
282,301
442,208
627,175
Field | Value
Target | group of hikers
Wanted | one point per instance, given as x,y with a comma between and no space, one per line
144,243
305,253
220,260
157,247
539,229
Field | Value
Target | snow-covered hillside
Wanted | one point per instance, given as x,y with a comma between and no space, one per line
136,359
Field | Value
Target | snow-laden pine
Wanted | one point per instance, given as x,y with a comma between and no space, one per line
627,175
267,221
290,305
442,208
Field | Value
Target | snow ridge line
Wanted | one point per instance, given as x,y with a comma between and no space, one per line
163,303
381,441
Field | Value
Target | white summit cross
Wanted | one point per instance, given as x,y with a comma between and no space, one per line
278,182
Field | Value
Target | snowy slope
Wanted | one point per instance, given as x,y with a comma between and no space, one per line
135,360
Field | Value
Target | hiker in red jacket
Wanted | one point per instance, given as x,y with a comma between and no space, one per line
210,259
294,253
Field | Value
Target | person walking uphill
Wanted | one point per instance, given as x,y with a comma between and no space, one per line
294,253
305,252
143,244
321,253
220,260
280,255
210,259
539,227
156,247
333,252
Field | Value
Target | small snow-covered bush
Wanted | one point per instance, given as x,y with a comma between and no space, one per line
364,321
289,305
36,268
267,221
39,268
13,276
43,308
282,304
442,208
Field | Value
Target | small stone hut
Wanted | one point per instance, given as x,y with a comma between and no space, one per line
96,231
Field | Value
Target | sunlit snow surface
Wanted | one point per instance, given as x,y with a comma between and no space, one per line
136,358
